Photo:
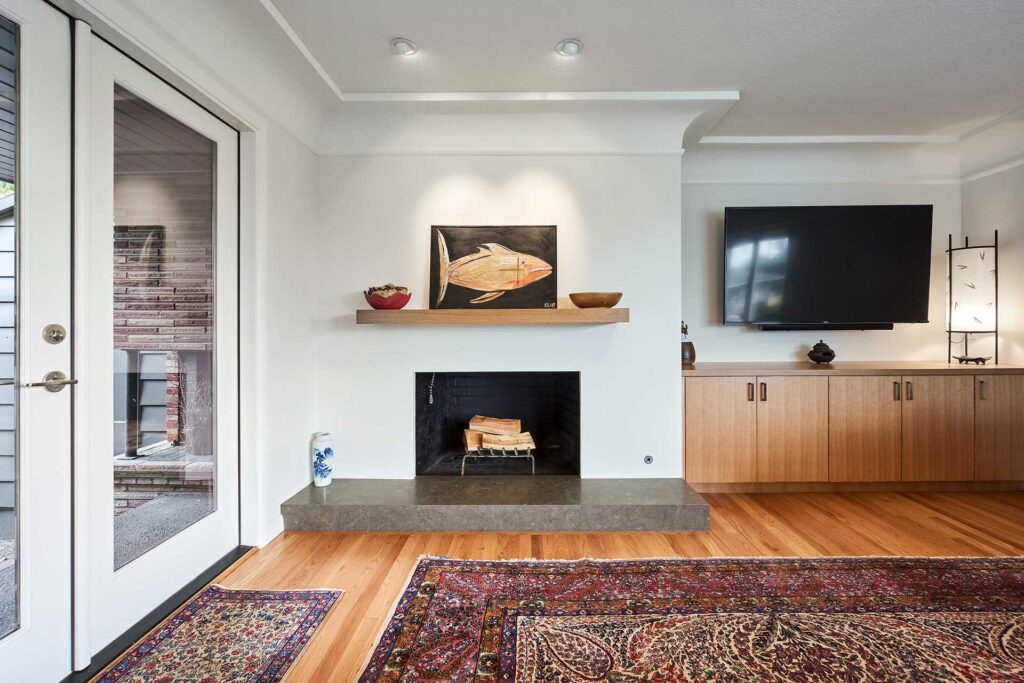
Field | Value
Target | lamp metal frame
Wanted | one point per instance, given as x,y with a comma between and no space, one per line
950,332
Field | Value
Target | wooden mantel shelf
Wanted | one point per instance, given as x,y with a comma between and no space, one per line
494,316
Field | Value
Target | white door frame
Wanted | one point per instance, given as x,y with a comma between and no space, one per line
130,31
55,569
39,650
107,603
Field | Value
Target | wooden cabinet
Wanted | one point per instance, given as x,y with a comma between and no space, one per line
865,428
999,428
754,429
938,428
792,429
720,423
854,426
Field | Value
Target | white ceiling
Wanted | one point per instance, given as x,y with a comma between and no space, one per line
803,67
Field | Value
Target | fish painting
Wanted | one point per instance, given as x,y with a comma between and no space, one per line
499,264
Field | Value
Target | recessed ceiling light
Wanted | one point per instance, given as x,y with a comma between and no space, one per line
403,47
570,47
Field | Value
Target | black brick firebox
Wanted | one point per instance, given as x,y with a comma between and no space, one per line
547,403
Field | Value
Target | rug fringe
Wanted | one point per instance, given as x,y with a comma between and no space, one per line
341,591
768,558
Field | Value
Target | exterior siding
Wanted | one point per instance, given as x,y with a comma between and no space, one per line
7,340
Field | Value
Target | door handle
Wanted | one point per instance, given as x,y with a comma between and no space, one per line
896,393
53,381
764,391
750,391
981,390
910,391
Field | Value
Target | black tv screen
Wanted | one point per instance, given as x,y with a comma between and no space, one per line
819,265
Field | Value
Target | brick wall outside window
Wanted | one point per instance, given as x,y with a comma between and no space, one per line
163,288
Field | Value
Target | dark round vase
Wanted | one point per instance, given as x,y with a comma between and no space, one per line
689,353
821,353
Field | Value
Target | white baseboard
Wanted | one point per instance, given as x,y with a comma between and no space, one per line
271,530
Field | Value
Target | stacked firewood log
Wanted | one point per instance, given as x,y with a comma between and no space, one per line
496,435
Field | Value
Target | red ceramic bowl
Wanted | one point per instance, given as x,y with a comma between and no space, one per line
387,303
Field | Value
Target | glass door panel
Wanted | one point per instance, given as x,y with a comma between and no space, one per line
164,466
158,345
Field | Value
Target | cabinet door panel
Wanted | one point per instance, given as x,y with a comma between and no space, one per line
999,427
721,422
938,428
864,428
792,429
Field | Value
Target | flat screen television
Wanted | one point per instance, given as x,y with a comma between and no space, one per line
827,267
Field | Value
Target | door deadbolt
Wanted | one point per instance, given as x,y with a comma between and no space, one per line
54,333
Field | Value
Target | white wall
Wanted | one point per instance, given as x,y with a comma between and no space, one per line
618,229
996,202
992,163
286,374
817,163
768,177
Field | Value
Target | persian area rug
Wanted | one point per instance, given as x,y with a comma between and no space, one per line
226,635
836,619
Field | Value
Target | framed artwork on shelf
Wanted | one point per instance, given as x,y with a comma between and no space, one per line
493,266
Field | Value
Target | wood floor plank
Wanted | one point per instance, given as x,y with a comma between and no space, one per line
373,568
987,522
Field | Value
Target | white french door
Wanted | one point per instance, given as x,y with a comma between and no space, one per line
156,283
35,321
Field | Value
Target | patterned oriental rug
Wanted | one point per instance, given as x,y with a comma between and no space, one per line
226,635
836,619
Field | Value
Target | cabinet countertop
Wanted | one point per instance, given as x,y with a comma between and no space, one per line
747,369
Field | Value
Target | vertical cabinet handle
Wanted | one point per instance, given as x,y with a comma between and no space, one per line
896,393
750,391
910,391
764,391
981,390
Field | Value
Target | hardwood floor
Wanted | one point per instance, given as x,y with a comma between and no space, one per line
373,567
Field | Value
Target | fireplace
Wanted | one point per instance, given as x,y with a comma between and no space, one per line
546,403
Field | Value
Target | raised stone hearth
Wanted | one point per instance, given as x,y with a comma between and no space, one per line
497,503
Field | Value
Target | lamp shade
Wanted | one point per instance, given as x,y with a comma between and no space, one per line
972,289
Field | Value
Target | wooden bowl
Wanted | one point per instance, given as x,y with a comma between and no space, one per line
387,303
595,299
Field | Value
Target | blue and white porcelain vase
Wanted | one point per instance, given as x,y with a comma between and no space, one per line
323,458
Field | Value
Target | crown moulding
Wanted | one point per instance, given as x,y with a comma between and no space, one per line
525,124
